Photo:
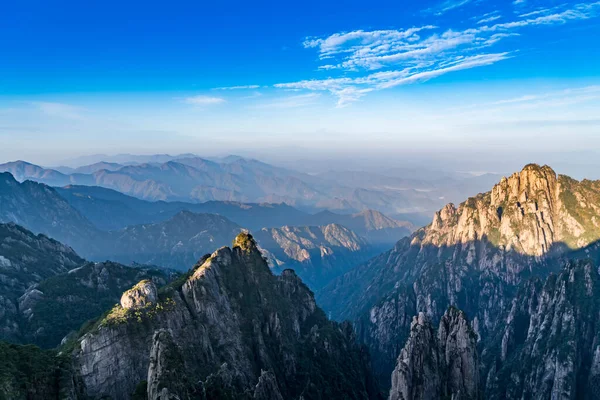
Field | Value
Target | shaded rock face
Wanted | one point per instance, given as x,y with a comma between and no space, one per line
548,344
438,365
165,380
25,260
141,295
215,334
473,256
267,388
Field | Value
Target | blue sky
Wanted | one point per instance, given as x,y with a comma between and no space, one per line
223,77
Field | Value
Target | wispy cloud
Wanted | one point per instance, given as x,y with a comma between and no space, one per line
447,5
242,87
541,100
560,97
491,18
348,90
203,100
60,110
388,58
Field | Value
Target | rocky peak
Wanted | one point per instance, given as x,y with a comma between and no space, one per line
531,212
245,242
531,184
215,334
444,217
458,346
267,388
141,295
442,365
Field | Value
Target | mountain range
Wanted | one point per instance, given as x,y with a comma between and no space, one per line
172,236
193,179
496,298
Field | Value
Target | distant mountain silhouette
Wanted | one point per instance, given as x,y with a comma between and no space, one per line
193,179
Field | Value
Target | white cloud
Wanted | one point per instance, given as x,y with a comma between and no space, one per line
447,5
420,53
203,100
491,18
570,95
60,110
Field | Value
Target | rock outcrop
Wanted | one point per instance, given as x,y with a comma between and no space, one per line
216,331
473,256
141,295
438,365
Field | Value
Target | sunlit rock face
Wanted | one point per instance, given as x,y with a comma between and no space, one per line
141,295
473,256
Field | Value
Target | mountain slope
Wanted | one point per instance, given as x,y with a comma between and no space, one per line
374,226
47,290
438,365
41,209
316,253
231,330
26,259
473,256
112,210
548,346
22,171
174,243
59,305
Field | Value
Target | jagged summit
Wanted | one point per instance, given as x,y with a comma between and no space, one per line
245,241
229,329
436,365
528,212
473,255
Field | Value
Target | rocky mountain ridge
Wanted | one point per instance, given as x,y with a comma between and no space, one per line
473,256
178,237
25,260
230,330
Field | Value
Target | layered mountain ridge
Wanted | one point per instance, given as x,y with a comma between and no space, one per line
176,237
496,298
194,179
